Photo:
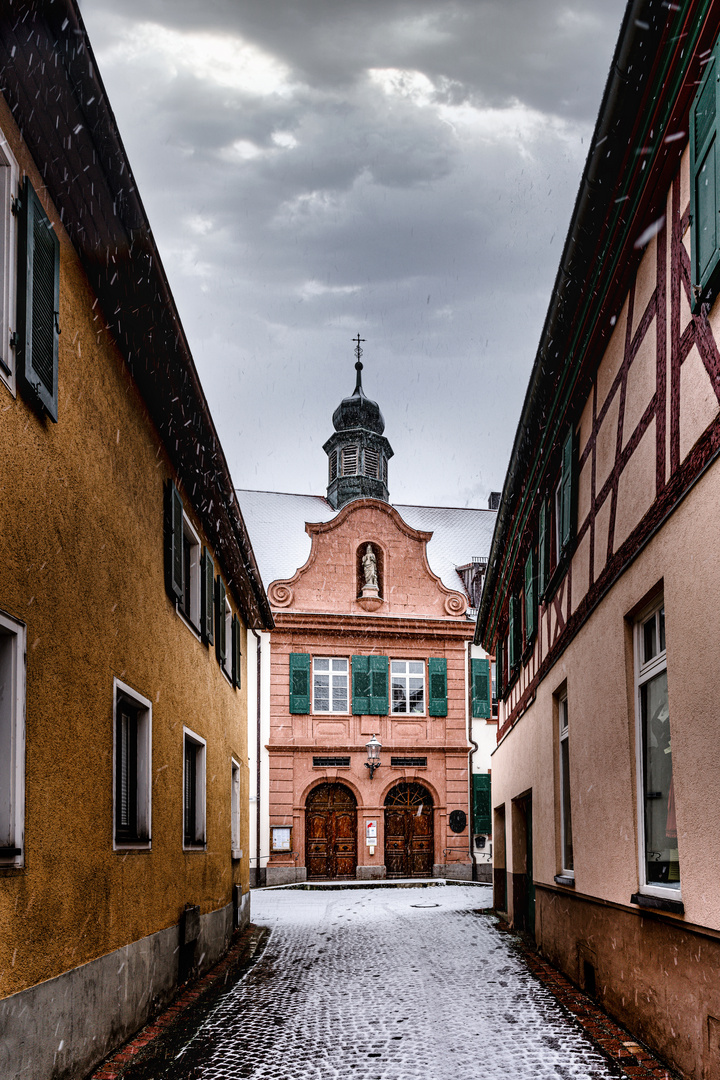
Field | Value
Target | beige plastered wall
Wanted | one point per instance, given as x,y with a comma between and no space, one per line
81,537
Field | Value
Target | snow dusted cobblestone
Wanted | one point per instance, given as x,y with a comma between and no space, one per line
387,984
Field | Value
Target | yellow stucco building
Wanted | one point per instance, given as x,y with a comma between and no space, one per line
127,590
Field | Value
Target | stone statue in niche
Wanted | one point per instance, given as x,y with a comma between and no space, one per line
369,565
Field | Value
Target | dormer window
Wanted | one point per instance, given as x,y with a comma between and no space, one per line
372,463
349,461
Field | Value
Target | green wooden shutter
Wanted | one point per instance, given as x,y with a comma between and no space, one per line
207,598
499,672
174,562
378,668
220,643
480,677
567,490
437,705
543,548
512,620
530,606
299,683
236,652
482,815
705,236
38,301
361,685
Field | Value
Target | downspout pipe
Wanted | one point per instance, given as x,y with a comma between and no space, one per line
258,643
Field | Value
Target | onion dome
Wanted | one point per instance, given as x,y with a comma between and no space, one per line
358,452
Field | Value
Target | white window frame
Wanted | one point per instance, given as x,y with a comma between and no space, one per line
563,737
407,675
200,841
341,675
235,851
9,185
143,706
12,738
644,672
192,618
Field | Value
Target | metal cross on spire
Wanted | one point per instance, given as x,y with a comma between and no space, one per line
358,365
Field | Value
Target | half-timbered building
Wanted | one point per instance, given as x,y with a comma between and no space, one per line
602,593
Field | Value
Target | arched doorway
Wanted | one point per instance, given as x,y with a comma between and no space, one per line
409,849
331,832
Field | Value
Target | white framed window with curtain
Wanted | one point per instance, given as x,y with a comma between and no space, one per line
657,824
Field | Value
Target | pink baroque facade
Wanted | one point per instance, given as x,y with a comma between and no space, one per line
415,630
601,597
375,718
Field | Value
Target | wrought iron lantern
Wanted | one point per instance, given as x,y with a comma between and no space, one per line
373,752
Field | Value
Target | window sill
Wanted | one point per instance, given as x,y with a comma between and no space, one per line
195,847
565,879
658,903
132,845
411,716
194,630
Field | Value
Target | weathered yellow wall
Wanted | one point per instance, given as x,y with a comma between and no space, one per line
81,543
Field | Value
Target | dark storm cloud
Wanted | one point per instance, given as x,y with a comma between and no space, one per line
405,169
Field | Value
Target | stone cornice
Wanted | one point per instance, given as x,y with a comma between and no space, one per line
370,624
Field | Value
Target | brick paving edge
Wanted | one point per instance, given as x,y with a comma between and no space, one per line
636,1060
150,1040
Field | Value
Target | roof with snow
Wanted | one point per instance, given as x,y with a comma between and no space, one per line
276,524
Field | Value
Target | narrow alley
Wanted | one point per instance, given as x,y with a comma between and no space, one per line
385,984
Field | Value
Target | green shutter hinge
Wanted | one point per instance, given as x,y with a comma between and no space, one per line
57,322
14,339
15,205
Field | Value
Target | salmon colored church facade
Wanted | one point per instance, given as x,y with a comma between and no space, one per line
370,645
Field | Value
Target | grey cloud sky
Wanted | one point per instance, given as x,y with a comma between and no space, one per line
314,169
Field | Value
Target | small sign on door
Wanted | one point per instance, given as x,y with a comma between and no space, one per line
371,833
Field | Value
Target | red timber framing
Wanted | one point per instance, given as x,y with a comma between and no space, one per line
633,195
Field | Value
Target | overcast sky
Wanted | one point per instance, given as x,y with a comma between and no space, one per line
317,168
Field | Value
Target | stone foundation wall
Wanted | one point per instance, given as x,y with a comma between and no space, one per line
658,978
61,1028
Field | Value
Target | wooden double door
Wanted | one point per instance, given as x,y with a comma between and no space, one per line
409,835
331,833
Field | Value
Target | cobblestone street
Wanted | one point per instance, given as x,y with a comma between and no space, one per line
386,984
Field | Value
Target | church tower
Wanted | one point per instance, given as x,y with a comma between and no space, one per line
358,452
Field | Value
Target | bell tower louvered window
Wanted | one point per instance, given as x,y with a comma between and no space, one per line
332,465
349,461
372,463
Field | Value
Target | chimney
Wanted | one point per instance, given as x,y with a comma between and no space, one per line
494,500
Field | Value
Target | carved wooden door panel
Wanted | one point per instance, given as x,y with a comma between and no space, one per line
331,832
396,861
409,847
